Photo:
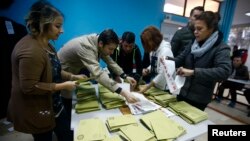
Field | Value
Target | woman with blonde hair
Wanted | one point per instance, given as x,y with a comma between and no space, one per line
35,106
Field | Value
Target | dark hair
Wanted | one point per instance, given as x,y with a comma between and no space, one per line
40,16
108,36
210,18
129,37
200,8
151,38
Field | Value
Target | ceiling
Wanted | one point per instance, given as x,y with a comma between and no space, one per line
242,7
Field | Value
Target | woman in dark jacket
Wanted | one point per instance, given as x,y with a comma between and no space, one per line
204,63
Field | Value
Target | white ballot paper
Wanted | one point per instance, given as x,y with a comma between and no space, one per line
174,85
167,112
143,105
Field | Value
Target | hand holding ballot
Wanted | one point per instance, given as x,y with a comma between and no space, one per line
129,96
143,105
144,88
132,81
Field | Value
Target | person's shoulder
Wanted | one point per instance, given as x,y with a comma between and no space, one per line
184,32
165,45
183,29
28,41
223,45
29,47
245,67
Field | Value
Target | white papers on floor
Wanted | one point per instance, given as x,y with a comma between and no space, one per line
143,105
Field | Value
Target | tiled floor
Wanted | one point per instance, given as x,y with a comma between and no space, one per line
214,116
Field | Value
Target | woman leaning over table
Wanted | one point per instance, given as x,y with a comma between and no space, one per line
35,105
204,63
154,44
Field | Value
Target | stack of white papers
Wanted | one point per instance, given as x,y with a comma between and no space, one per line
143,105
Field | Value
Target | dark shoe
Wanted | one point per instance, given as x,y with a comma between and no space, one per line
217,99
231,104
248,114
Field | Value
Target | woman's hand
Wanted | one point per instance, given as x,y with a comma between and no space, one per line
144,88
132,81
67,85
70,85
128,96
145,72
184,72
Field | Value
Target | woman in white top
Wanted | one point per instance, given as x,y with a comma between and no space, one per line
152,41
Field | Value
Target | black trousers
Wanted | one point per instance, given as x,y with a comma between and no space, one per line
247,95
233,86
62,130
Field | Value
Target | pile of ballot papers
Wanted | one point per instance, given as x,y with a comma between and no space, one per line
188,112
91,130
160,97
135,132
86,98
161,126
109,99
116,122
143,105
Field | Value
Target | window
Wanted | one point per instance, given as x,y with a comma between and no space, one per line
174,6
183,7
211,5
191,4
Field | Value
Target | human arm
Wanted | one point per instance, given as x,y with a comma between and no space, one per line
219,63
39,80
69,76
68,85
138,61
159,79
176,43
146,60
182,39
131,81
128,96
180,59
145,72
118,70
89,59
184,72
147,86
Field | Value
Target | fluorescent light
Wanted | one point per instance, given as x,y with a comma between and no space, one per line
171,8
247,14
